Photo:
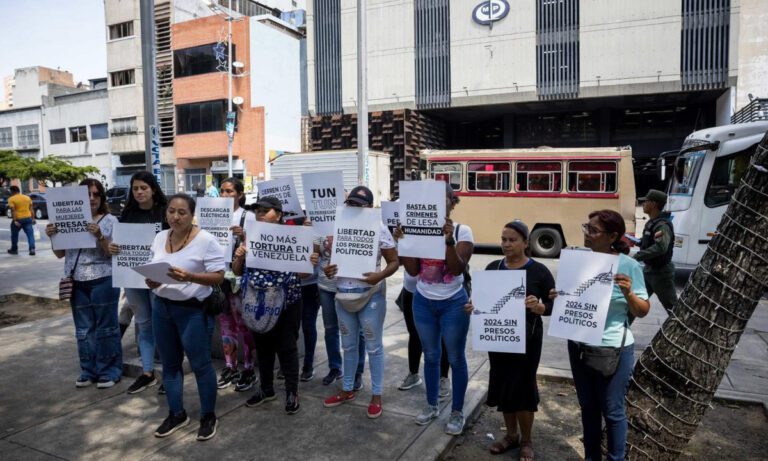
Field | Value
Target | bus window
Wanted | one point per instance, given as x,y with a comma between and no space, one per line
539,176
726,176
448,172
488,176
592,177
686,173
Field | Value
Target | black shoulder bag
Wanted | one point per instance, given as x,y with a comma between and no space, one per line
602,359
66,284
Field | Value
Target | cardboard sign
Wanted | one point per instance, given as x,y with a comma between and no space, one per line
390,214
135,242
422,216
278,247
69,209
356,241
323,193
215,216
584,286
285,190
498,321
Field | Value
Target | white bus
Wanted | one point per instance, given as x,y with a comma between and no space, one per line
707,172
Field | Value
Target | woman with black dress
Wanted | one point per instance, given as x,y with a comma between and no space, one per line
512,384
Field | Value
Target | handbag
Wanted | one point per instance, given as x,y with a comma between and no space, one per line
216,302
602,359
66,284
354,302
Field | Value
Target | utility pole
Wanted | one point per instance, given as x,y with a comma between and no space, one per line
362,91
149,75
230,132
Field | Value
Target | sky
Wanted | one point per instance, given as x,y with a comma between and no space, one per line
65,34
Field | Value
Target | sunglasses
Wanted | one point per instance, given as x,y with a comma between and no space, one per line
589,229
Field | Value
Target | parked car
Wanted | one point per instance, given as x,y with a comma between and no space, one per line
39,207
117,197
4,194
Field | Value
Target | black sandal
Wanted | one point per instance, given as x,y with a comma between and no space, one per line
504,445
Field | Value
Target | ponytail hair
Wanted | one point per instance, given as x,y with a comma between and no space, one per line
613,223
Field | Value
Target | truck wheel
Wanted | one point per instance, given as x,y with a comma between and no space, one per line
546,242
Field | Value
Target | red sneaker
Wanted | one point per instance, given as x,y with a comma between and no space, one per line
374,410
338,399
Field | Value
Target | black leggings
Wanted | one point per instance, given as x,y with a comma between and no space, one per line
280,341
414,343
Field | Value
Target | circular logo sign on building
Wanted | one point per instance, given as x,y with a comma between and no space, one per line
490,11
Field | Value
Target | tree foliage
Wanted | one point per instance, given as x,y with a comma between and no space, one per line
50,171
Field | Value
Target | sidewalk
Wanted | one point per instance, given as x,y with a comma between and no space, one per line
46,418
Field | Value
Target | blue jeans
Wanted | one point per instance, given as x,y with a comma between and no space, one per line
444,320
601,398
369,322
141,304
28,228
182,329
310,306
332,341
94,311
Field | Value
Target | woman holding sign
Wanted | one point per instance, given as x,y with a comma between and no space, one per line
94,301
146,205
179,319
361,305
512,387
438,310
601,373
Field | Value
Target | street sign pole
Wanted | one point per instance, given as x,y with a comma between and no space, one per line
149,74
362,91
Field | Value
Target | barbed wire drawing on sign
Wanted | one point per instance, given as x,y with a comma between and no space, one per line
516,293
603,278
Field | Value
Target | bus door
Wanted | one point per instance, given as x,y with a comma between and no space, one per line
684,209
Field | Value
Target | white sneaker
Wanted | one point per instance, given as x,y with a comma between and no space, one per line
105,384
455,424
410,381
427,414
445,389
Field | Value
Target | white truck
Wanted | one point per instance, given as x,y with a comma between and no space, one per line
294,164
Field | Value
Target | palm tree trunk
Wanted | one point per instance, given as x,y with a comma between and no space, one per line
677,375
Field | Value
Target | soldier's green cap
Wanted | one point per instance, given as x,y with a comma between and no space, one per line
656,196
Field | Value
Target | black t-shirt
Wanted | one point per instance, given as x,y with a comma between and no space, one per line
155,215
538,282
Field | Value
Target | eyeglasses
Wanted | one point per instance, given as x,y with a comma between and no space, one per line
589,229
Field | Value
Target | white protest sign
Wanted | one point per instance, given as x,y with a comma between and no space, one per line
422,216
584,286
135,242
356,241
285,190
323,193
69,209
278,247
157,272
390,214
498,321
215,216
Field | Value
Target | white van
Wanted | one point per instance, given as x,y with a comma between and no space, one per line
708,170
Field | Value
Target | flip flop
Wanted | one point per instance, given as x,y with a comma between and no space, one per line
504,445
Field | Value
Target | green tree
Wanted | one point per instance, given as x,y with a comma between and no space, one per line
12,165
50,171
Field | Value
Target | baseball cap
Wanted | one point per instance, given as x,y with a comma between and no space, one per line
360,195
269,202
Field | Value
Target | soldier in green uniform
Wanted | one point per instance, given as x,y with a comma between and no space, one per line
656,250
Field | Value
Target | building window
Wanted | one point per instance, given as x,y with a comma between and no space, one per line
201,117
58,136
100,131
6,137
194,178
726,177
592,177
539,176
122,77
28,135
432,32
77,134
328,56
122,126
168,180
488,176
201,59
122,30
448,172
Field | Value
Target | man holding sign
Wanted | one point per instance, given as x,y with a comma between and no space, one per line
601,373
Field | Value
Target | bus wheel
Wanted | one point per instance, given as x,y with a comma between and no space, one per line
546,242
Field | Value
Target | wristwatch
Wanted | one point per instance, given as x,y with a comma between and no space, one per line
451,242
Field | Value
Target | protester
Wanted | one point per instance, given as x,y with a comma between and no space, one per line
656,250
267,294
438,310
180,321
22,218
94,301
512,387
327,294
310,306
234,333
362,304
146,205
602,396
